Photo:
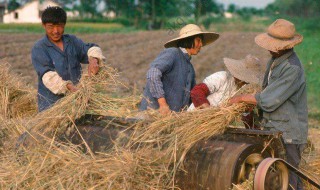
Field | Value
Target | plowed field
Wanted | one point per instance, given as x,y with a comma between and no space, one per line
132,53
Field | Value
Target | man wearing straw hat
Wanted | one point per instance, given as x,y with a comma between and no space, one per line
222,85
171,75
284,96
57,57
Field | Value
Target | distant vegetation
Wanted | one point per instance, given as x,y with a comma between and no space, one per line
72,27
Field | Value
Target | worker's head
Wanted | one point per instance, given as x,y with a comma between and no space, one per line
193,44
54,20
280,37
192,38
247,70
54,15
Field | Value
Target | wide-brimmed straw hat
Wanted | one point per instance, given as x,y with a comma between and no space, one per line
248,69
192,30
281,35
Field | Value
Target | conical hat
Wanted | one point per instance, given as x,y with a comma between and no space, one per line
248,69
192,30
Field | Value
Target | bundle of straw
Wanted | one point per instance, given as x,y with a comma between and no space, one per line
96,95
17,98
150,160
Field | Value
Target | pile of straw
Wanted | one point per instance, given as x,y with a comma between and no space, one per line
17,98
96,95
150,160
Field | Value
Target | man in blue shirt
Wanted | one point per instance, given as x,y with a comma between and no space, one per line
57,59
171,75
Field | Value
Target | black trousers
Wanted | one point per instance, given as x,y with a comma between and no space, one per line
294,152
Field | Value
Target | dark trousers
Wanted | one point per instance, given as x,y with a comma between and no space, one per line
294,152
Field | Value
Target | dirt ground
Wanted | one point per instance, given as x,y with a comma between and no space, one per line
132,53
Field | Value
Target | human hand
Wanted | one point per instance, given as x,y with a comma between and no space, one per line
203,106
246,98
93,67
71,87
164,110
235,100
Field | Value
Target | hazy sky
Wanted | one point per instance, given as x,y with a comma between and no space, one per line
246,3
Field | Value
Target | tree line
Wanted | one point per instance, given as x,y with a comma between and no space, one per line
156,13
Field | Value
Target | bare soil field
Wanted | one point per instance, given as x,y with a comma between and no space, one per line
132,53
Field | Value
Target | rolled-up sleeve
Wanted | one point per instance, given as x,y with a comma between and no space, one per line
280,90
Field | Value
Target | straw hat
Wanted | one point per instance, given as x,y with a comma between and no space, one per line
248,69
192,30
280,35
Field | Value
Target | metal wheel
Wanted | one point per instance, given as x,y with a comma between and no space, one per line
271,174
249,166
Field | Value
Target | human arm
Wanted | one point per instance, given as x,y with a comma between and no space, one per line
88,53
164,108
199,95
46,71
96,59
56,84
246,98
159,67
283,86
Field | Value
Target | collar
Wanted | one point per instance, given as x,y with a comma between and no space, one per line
277,61
185,52
65,39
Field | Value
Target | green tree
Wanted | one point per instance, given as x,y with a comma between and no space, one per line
232,8
304,8
203,7
88,8
13,5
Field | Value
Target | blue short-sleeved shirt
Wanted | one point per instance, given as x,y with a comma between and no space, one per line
48,57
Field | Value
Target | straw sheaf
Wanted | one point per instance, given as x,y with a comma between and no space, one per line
17,98
150,159
192,30
281,35
248,69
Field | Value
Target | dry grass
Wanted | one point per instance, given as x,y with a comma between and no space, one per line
152,155
149,160
17,99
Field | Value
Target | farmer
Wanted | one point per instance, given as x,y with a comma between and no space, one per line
57,57
222,85
284,98
171,75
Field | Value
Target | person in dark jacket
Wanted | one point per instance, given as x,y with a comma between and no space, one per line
57,59
284,96
171,75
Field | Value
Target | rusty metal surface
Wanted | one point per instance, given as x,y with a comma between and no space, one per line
271,174
314,182
101,133
214,164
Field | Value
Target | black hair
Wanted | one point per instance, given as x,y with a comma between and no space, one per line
54,15
188,42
